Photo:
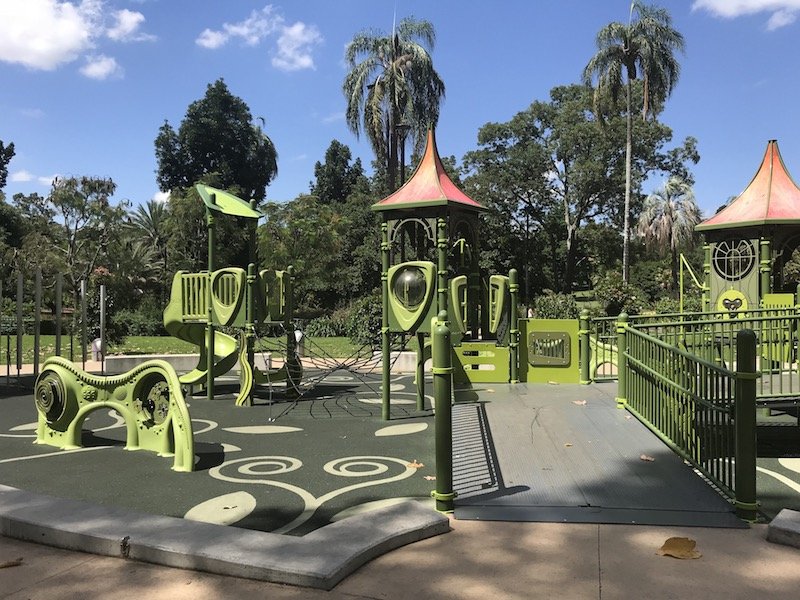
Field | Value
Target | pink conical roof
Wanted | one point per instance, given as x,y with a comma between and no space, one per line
428,186
771,197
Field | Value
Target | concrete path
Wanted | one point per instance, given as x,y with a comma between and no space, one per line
476,560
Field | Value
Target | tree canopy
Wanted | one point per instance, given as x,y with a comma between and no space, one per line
217,136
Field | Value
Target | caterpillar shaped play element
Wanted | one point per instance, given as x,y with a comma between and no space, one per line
148,397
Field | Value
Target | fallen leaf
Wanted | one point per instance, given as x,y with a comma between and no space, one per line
679,547
11,563
415,464
646,458
579,402
628,417
553,382
430,477
567,445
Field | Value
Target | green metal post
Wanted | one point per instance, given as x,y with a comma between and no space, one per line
210,308
420,371
385,350
20,330
250,327
745,423
293,360
442,394
622,362
706,297
84,341
765,268
513,342
59,291
441,253
583,337
37,321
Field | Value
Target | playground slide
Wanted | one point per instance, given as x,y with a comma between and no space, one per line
195,333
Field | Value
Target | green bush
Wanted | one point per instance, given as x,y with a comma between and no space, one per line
615,296
139,323
363,323
555,306
326,326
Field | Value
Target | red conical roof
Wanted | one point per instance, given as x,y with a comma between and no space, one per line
771,197
428,186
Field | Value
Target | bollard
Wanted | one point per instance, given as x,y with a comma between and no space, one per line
745,424
442,396
583,342
622,361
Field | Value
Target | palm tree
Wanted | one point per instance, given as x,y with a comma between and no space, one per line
394,90
668,220
149,221
645,48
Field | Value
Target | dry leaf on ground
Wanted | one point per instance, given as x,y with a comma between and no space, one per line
646,458
430,477
415,465
579,402
679,547
567,445
11,563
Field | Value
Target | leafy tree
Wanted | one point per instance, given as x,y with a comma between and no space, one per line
218,135
668,220
645,47
336,178
6,154
394,90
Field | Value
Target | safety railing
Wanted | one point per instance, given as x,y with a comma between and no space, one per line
195,296
705,411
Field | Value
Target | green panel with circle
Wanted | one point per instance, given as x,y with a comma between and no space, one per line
734,274
459,302
272,291
411,291
498,303
227,297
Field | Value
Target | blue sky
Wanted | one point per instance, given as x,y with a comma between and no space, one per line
85,85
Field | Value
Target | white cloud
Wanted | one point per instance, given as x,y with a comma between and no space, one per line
20,176
126,27
32,113
294,44
44,34
294,47
782,12
101,67
47,181
333,117
251,31
161,197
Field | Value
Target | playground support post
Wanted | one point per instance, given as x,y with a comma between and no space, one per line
210,308
37,320
622,361
84,341
420,373
441,274
765,268
513,342
250,328
583,337
745,424
102,349
20,331
442,395
385,379
706,297
59,291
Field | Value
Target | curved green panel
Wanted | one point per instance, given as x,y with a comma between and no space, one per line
148,397
271,306
498,298
411,292
227,295
458,303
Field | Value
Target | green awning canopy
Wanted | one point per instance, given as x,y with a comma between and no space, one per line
226,202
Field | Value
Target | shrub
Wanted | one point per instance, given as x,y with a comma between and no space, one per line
363,323
555,306
325,326
615,296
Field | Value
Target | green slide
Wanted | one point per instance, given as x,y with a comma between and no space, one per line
195,333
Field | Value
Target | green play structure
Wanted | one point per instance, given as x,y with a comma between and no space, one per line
237,300
429,252
148,398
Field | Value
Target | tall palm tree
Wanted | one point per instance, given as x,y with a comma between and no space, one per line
393,91
668,220
645,48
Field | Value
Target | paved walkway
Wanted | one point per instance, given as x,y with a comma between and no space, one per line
475,560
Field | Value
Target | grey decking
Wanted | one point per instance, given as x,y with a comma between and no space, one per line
533,453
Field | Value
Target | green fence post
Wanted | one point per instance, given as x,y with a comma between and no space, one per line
442,397
622,362
706,297
583,342
765,268
745,423
210,307
386,409
513,342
